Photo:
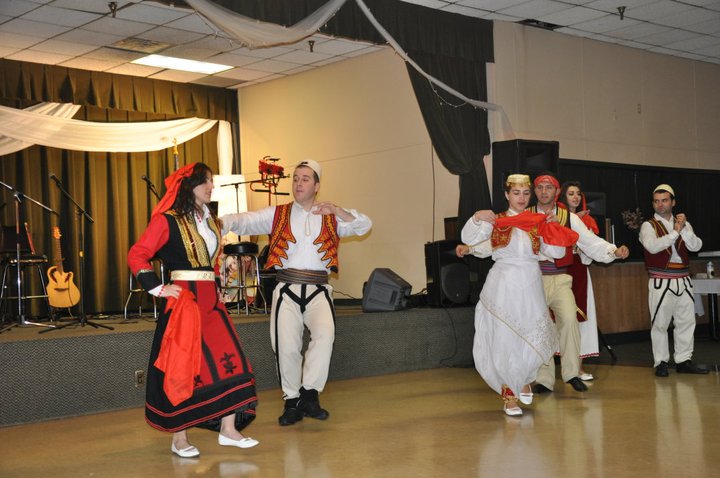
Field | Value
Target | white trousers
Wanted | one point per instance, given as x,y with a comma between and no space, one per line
670,299
294,307
560,299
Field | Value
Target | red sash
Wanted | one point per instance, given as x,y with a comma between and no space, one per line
552,232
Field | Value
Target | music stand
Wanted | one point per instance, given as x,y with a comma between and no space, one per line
19,196
81,214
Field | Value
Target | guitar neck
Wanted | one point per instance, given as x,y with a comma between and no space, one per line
57,253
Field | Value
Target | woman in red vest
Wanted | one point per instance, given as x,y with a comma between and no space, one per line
572,195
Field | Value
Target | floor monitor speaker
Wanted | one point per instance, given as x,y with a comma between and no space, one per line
448,276
385,291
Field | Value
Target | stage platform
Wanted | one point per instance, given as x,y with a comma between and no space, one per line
81,370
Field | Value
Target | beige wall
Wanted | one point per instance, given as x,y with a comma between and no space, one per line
606,102
360,120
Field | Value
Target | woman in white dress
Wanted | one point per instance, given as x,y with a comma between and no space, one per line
514,334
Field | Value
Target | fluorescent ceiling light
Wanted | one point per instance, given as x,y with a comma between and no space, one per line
181,64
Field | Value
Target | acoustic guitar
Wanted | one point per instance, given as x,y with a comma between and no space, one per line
62,291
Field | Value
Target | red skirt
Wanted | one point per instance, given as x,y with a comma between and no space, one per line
225,384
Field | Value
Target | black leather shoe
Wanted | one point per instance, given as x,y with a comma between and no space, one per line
291,414
539,388
309,405
662,370
689,367
577,384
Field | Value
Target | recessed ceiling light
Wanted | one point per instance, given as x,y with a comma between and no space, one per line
172,63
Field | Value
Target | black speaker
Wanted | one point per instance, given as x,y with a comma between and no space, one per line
385,291
520,156
448,276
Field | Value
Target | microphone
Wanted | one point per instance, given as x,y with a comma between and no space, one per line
55,178
145,178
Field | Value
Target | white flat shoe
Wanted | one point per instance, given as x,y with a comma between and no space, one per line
586,377
526,398
189,452
513,412
246,442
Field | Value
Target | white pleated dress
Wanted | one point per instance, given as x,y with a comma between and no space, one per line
514,334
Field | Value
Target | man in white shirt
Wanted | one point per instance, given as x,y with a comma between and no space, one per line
667,239
303,248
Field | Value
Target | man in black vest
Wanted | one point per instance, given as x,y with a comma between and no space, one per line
667,240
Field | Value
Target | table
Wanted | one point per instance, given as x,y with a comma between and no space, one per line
710,287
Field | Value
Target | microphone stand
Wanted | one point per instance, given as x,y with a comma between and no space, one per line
272,189
81,214
151,186
19,196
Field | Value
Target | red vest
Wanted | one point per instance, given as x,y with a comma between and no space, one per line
661,260
563,216
281,235
500,237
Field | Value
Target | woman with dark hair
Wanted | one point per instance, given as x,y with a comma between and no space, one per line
198,374
572,196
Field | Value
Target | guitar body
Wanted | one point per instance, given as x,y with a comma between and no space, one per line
62,291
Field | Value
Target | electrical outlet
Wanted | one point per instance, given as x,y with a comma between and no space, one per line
139,378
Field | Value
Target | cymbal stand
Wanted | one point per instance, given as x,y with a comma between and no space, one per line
82,319
19,196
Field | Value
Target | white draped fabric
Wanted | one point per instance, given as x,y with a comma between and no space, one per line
61,110
255,34
35,128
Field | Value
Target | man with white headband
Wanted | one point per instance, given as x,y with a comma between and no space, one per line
558,284
667,240
303,248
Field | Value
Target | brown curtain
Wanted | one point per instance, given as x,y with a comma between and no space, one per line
107,185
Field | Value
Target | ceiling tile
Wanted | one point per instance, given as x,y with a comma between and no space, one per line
339,47
709,27
93,6
189,53
215,81
118,26
233,59
39,57
212,42
713,50
15,40
89,38
638,30
690,17
63,47
175,75
611,6
151,14
572,16
134,70
693,44
605,24
490,5
428,3
244,74
6,51
656,9
667,37
462,10
170,35
15,8
21,27
194,23
302,57
60,16
92,64
534,9
114,55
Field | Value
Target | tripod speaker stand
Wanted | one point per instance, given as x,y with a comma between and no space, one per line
81,215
